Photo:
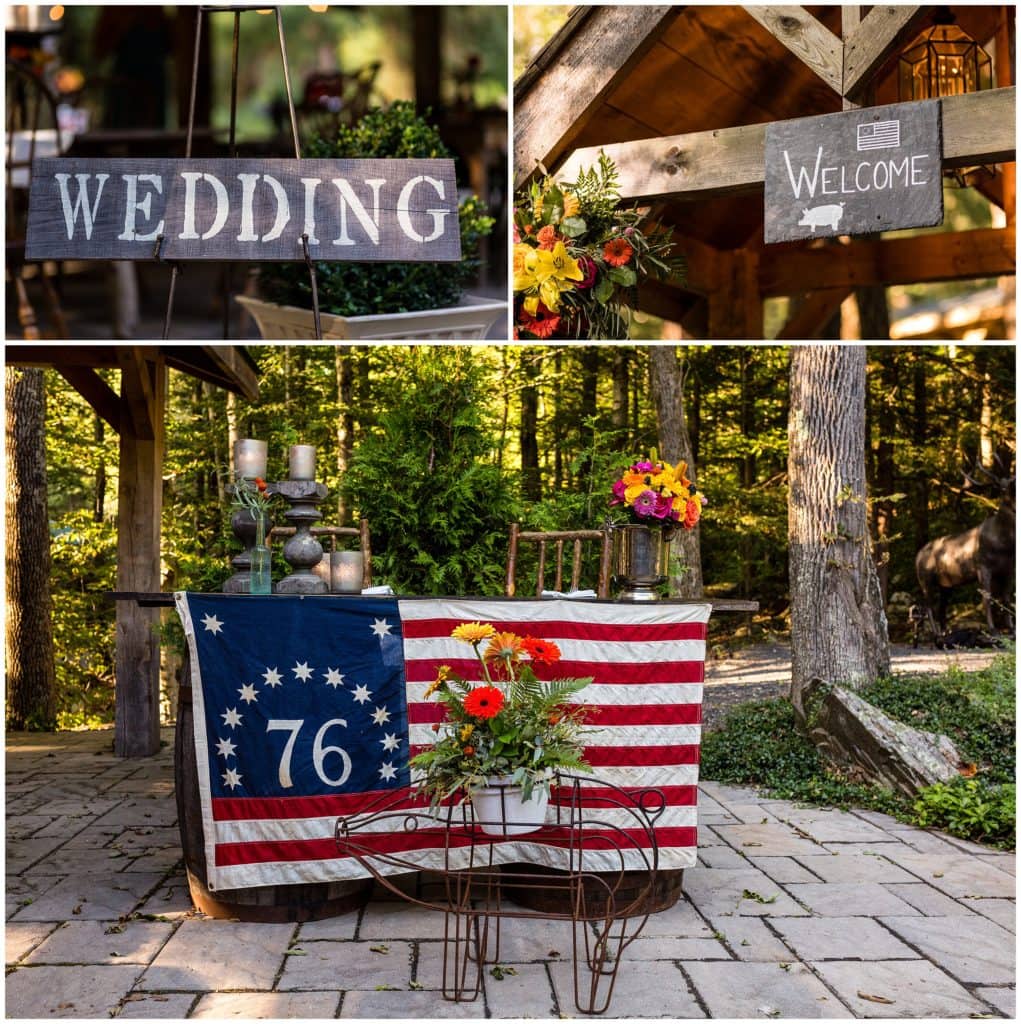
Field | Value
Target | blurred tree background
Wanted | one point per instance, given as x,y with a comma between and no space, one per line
445,446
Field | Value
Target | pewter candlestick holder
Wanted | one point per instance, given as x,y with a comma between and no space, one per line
302,551
243,527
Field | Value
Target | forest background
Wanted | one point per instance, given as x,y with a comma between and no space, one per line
441,448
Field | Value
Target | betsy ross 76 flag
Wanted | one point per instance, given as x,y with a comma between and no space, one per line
308,708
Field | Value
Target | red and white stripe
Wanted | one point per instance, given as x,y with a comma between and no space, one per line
644,729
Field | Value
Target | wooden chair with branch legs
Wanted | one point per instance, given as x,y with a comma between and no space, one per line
557,540
361,531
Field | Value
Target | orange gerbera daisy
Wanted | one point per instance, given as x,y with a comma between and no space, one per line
542,652
483,702
617,252
504,646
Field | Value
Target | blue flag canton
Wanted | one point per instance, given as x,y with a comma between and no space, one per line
302,696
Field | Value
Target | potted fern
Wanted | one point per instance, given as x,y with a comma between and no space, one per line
505,733
384,301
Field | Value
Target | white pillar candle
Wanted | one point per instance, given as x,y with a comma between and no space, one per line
346,572
302,462
250,458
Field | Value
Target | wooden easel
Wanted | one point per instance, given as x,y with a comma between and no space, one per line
237,12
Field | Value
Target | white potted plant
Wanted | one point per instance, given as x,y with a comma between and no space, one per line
506,734
381,301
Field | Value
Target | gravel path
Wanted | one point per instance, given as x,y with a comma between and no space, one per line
754,673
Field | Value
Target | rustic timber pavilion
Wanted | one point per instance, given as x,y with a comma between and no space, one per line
685,101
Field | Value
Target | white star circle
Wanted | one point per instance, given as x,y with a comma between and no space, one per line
232,717
302,671
272,677
381,716
248,693
361,694
212,623
381,628
334,678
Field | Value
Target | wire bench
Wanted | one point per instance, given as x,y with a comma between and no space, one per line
591,824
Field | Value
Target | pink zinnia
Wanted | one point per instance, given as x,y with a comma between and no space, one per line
642,467
588,268
618,493
664,503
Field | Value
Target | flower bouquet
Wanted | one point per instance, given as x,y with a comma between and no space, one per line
511,728
578,258
654,493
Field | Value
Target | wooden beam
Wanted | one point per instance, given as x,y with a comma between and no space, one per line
936,256
807,38
136,394
877,36
139,503
735,306
550,114
977,128
237,372
103,399
813,313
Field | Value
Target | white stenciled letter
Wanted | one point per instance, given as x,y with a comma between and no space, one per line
283,209
404,206
81,203
131,205
222,205
311,184
247,218
803,178
348,198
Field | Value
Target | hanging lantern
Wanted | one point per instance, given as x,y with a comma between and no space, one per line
945,61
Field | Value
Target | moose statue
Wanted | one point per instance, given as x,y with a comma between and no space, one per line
985,554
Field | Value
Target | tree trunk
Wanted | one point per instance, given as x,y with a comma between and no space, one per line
99,493
558,454
620,362
674,446
919,437
883,509
345,424
589,410
31,675
838,628
531,481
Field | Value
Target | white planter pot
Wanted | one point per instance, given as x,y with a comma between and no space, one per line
500,810
468,322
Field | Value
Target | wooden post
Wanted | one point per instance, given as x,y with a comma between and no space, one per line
1005,78
143,397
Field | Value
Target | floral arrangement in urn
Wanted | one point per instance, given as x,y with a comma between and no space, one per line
653,492
509,726
578,259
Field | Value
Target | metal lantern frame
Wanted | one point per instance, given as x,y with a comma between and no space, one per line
948,55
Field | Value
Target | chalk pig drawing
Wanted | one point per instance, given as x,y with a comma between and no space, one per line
822,216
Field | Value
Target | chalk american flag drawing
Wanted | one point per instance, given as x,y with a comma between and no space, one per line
879,135
280,683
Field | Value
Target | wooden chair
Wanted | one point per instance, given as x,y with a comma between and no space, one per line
333,532
557,539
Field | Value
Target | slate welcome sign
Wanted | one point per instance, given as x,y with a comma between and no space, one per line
221,209
856,172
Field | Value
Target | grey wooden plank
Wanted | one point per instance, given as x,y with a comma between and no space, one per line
221,209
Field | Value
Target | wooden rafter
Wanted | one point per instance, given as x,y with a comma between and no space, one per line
605,46
938,256
877,36
807,38
103,399
977,128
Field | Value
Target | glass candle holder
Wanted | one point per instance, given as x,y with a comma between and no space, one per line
250,458
302,462
346,568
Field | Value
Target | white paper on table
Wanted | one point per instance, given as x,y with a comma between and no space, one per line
384,591
573,595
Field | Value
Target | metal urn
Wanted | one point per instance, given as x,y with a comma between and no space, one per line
640,558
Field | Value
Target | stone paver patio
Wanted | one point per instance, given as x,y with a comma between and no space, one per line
791,912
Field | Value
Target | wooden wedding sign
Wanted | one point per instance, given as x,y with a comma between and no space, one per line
221,209
854,173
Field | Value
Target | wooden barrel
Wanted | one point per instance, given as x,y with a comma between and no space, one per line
264,903
627,886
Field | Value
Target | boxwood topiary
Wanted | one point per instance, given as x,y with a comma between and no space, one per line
359,289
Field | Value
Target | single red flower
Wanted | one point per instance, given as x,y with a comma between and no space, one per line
483,702
469,751
260,483
436,727
542,324
617,252
691,514
542,652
